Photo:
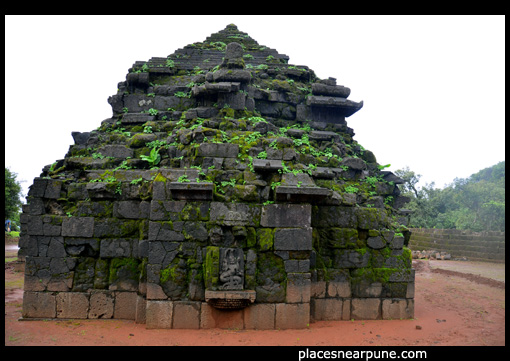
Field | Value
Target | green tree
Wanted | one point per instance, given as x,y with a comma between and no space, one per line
476,203
12,195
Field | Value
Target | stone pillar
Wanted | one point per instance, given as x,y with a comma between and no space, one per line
293,243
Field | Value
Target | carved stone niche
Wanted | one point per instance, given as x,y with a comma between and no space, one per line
231,282
231,269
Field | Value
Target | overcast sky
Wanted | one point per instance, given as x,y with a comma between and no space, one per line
433,86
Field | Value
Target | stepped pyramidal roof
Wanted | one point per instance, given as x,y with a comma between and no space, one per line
222,167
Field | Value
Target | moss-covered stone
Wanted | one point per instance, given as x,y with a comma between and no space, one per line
271,278
265,239
124,274
211,266
174,279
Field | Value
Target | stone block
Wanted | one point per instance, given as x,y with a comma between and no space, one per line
125,305
324,135
266,165
39,305
377,242
163,231
286,215
298,288
371,218
51,229
410,290
141,306
38,188
292,316
35,226
211,317
140,140
397,309
116,151
397,243
318,289
155,292
78,227
133,118
367,289
218,150
350,258
53,188
131,209
366,308
335,216
260,316
34,207
80,138
297,194
338,289
112,247
235,214
332,90
55,248
327,309
295,265
159,314
166,210
101,304
159,191
191,191
101,190
293,239
186,315
72,305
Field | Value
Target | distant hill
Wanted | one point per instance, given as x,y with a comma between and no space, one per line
476,203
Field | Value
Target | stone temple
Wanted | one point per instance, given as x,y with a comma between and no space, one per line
226,190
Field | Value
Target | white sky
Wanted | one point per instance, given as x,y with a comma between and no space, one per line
433,86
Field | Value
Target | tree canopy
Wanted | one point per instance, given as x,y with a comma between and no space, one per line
476,203
12,195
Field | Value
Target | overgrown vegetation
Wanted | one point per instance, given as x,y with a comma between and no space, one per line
476,203
12,199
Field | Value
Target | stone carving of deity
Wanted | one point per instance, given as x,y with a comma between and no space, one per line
232,268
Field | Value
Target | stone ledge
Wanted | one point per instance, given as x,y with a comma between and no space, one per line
301,194
191,191
231,299
231,295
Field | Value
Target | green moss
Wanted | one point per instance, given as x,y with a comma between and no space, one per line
195,211
129,228
137,129
339,237
130,266
372,275
270,267
251,237
168,273
101,274
211,267
265,238
76,152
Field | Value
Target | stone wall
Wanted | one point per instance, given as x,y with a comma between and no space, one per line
476,246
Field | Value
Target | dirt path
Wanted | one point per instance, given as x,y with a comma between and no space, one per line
450,309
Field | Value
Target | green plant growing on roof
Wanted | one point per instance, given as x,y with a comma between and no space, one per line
154,157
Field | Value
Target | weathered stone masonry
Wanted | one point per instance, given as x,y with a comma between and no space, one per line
226,190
